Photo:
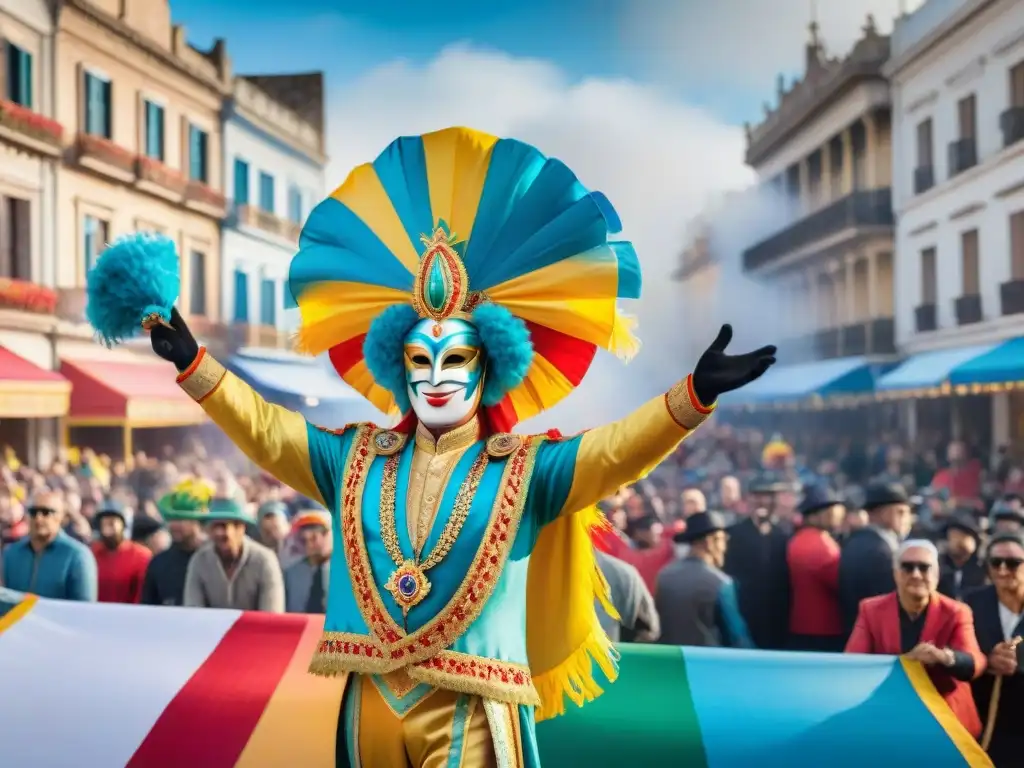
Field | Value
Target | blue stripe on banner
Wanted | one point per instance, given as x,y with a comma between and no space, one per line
798,710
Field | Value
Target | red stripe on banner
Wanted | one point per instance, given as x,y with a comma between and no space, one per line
211,719
343,356
568,354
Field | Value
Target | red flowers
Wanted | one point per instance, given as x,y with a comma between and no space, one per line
21,294
32,123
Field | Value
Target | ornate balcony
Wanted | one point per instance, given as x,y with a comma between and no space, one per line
963,154
862,210
205,199
925,318
1011,121
25,296
855,340
924,178
1011,297
882,336
105,157
29,129
157,179
968,309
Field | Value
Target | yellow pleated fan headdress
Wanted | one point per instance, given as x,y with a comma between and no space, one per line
458,222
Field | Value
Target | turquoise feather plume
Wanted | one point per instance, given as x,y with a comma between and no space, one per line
135,280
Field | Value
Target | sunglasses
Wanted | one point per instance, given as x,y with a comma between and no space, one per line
1011,563
44,511
910,567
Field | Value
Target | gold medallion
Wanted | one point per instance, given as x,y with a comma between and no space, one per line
408,585
501,445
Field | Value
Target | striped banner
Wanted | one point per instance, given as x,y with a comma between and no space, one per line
156,687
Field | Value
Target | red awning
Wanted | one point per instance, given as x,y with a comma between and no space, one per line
134,394
30,392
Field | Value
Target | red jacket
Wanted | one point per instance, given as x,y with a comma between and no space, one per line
121,571
813,559
949,624
648,562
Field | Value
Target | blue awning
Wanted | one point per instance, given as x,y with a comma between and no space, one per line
928,370
1002,365
822,378
303,384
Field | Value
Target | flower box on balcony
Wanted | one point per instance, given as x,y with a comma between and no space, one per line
26,296
105,157
30,128
154,176
205,199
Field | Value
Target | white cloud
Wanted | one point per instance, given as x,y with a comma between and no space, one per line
658,160
746,43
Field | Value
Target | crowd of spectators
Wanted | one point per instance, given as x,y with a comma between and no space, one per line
740,539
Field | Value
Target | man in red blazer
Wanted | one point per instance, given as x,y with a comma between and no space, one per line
815,622
925,626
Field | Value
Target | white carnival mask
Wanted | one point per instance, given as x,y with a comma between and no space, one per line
444,371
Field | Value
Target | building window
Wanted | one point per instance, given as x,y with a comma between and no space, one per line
971,275
1017,85
19,76
266,192
966,110
98,113
924,143
268,302
241,296
198,154
929,278
295,212
154,131
241,182
15,238
1017,245
197,283
96,233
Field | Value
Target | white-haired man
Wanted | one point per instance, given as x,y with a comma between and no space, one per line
917,621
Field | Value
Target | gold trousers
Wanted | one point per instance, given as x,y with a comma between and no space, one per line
427,728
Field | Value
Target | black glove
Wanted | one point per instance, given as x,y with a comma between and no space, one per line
717,373
175,344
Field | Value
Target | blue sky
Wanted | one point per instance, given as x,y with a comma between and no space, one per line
345,38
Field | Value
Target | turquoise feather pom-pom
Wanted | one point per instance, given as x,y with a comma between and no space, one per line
135,278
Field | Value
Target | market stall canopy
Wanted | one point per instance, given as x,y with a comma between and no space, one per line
930,370
127,393
1002,365
801,381
30,392
303,384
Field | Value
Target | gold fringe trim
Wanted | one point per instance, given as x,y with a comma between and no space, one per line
574,677
623,342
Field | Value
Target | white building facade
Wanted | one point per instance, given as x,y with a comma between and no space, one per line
274,171
957,71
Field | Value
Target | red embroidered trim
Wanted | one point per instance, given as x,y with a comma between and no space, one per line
192,368
698,406
483,670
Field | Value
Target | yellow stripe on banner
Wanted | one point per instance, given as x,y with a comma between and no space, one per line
457,161
365,196
17,613
299,725
543,386
975,756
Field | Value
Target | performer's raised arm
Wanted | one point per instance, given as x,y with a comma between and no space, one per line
576,473
279,441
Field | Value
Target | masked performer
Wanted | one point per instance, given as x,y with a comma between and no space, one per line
464,283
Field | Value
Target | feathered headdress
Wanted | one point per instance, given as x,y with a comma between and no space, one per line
460,223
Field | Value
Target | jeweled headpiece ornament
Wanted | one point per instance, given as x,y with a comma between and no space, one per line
533,246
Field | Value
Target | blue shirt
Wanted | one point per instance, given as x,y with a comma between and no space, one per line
64,570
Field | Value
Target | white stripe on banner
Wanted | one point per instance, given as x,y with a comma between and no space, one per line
78,666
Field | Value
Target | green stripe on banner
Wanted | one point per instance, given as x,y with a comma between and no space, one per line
647,711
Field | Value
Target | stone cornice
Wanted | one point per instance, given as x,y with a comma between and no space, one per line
261,109
216,81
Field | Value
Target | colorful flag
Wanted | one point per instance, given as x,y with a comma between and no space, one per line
156,687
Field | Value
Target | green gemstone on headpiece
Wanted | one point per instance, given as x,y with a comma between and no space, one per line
436,289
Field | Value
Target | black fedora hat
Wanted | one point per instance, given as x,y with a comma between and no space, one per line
883,494
767,483
965,522
700,525
817,498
